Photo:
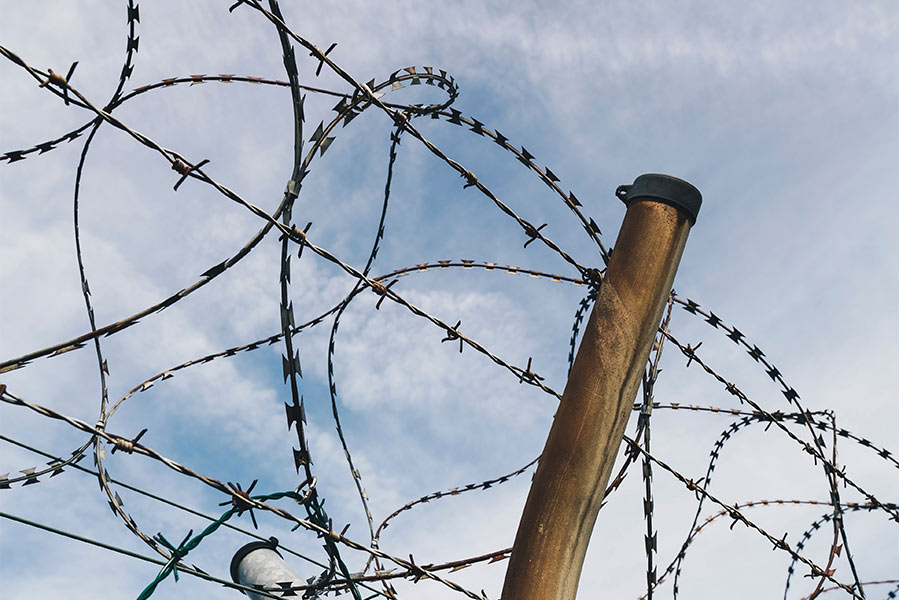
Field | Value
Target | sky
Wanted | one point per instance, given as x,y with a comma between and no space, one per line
784,114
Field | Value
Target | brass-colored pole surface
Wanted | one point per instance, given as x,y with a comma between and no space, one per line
583,442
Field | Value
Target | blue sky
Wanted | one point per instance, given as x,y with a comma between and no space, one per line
783,114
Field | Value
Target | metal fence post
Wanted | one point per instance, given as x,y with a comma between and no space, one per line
583,441
260,564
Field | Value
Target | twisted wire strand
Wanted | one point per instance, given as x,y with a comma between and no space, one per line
649,381
133,447
806,447
332,383
735,514
190,571
790,394
350,105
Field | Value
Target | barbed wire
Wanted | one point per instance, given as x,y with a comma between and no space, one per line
336,575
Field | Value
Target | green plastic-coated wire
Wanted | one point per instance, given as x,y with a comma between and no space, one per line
189,543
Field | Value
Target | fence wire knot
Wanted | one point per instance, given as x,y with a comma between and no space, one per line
453,334
381,290
178,552
240,500
125,445
532,233
528,375
60,81
185,169
691,352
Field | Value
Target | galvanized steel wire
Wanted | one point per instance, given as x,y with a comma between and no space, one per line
355,99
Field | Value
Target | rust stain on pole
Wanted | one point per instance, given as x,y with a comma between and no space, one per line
587,430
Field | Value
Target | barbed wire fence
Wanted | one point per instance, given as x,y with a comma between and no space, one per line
813,433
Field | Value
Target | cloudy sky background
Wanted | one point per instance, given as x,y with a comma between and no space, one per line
783,114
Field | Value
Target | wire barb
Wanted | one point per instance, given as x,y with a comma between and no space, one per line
185,169
125,445
60,81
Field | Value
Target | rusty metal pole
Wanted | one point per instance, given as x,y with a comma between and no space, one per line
583,441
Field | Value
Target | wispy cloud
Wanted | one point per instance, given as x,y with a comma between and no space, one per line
784,115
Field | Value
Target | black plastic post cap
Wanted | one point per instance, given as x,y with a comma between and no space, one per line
663,188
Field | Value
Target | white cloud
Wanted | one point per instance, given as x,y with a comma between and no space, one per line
784,116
